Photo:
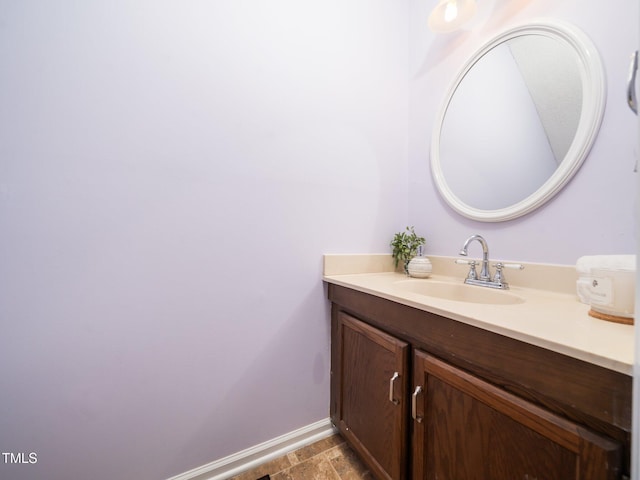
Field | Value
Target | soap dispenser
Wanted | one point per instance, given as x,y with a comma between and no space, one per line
419,266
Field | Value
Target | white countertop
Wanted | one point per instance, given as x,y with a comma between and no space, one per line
553,320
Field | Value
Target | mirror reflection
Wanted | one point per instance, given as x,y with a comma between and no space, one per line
511,121
517,123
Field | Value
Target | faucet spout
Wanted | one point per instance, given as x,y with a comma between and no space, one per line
484,272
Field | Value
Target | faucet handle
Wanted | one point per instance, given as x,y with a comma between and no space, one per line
513,266
499,276
462,261
472,275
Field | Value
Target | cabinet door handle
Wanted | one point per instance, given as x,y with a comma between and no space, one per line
392,380
414,404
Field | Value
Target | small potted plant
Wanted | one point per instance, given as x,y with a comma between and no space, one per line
405,247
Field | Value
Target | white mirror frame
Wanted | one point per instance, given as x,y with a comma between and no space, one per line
593,104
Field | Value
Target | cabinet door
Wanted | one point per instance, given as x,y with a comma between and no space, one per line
370,397
467,429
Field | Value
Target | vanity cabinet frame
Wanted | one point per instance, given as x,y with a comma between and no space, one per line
593,397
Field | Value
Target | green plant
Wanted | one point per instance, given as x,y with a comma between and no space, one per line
405,246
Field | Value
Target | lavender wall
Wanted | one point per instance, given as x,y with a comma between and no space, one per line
170,175
595,213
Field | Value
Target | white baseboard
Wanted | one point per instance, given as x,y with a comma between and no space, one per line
252,457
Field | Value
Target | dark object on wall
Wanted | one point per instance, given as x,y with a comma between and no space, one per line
631,87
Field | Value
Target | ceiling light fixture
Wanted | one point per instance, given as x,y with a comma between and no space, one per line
449,15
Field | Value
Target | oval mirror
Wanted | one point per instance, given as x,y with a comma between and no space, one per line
518,121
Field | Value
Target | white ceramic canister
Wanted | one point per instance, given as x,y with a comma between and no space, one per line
419,266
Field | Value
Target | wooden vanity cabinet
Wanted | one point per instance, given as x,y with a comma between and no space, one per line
370,401
468,429
488,407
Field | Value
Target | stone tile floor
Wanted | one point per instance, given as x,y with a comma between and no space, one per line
327,459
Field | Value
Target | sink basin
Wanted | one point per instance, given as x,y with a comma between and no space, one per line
458,292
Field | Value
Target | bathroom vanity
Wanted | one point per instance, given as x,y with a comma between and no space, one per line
433,379
522,387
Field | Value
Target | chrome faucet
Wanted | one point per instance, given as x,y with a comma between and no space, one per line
485,280
484,272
